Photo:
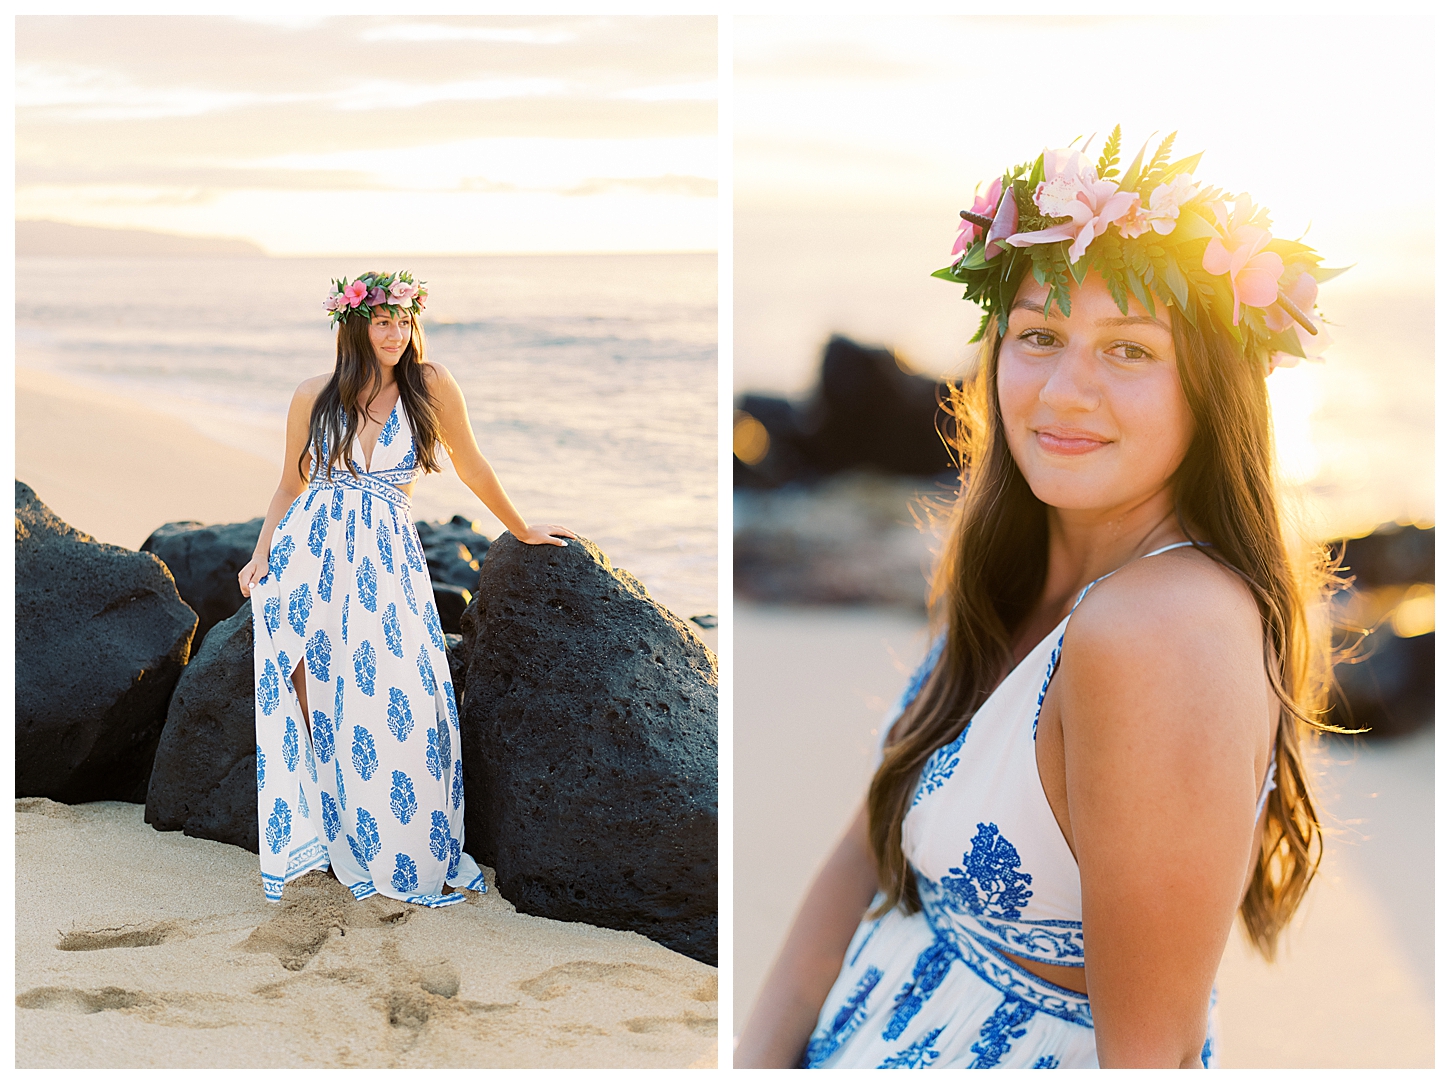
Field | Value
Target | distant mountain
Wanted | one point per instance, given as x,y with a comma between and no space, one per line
43,238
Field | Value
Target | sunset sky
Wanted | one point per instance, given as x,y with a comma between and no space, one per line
374,133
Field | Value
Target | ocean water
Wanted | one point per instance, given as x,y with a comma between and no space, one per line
590,380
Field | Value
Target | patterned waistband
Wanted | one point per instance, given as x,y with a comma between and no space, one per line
983,955
382,484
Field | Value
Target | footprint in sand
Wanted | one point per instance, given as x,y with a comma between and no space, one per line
65,999
558,981
125,936
317,906
649,1025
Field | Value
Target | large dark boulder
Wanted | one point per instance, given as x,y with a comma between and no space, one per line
589,747
204,780
101,637
204,560
1391,554
868,411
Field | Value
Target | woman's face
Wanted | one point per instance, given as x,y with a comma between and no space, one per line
1095,415
390,335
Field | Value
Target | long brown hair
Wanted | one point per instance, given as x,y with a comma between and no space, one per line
993,568
357,376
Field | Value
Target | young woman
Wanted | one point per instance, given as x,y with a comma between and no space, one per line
1099,762
357,728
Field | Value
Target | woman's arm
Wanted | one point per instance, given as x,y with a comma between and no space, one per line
472,468
785,1013
1165,715
293,482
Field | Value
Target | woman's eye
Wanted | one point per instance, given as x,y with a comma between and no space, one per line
1132,351
1038,338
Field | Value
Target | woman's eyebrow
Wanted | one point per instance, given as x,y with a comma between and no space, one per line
1114,321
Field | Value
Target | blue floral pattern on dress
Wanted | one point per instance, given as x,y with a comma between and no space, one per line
261,769
844,1024
324,579
351,532
400,713
299,608
279,826
322,736
289,745
367,585
272,614
989,881
280,556
439,835
405,874
435,765
365,668
392,631
425,671
331,820
367,509
404,801
385,546
317,534
364,753
940,765
457,795
345,600
930,969
919,1055
268,695
385,438
365,848
452,702
341,787
1007,1022
319,656
1047,1061
434,626
408,596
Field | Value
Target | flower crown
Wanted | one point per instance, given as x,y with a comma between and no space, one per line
1154,232
397,293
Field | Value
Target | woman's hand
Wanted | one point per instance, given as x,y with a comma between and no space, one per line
546,534
251,574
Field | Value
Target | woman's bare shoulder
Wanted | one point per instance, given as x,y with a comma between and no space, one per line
1173,598
436,374
1168,644
312,387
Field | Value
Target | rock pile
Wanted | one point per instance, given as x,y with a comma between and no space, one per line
101,637
589,747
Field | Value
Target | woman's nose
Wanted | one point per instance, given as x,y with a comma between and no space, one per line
1072,384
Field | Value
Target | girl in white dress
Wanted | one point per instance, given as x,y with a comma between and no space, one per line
1099,762
358,748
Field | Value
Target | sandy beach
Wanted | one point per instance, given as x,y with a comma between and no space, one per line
172,958
1354,985
143,949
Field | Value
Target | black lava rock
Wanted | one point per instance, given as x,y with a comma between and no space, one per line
453,551
204,780
101,637
1390,688
451,601
1392,554
590,747
204,561
868,411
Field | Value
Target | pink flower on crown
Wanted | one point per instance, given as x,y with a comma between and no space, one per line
376,296
355,293
402,293
1070,189
1239,253
1303,293
1167,199
335,302
981,205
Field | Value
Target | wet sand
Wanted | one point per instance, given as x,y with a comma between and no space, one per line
1354,984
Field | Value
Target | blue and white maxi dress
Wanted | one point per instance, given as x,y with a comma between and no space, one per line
936,989
373,786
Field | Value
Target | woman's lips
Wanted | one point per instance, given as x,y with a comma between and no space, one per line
1068,441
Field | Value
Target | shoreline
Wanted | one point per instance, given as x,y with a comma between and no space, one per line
137,468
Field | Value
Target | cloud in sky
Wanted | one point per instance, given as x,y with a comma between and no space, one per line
254,128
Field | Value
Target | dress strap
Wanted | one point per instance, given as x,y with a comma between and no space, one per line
1056,655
